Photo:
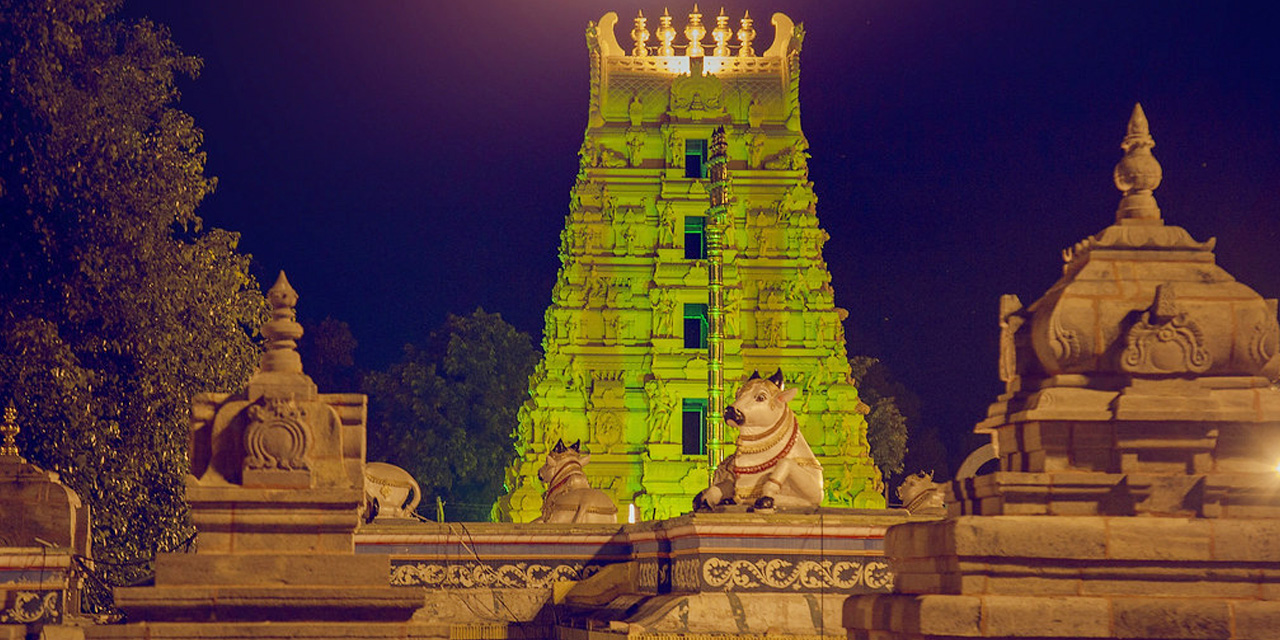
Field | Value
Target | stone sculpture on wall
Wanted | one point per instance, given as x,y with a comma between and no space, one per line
391,493
569,496
773,465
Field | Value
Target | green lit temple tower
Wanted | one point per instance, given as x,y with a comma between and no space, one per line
653,277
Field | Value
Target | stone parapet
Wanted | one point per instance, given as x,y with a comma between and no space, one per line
34,586
492,555
1094,556
1218,495
233,519
950,617
823,550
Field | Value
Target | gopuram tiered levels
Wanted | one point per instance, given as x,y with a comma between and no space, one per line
631,332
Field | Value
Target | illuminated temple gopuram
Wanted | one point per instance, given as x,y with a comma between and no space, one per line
625,366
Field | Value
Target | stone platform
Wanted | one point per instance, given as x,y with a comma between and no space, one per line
782,574
1077,577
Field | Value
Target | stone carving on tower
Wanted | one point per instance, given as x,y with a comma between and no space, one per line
626,358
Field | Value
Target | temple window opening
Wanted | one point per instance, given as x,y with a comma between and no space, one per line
693,427
695,159
695,326
695,237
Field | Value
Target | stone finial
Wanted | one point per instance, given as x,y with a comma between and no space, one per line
694,32
10,431
640,35
721,34
280,354
1138,174
746,35
666,34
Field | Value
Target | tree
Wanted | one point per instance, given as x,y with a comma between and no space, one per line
894,410
116,306
328,356
446,412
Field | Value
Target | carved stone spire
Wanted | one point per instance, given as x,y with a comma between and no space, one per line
10,431
640,36
694,32
280,353
1138,174
666,34
721,34
746,35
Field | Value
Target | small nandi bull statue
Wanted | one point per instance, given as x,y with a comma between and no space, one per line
569,498
920,495
390,492
773,465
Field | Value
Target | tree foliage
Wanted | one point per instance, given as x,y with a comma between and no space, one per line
115,305
894,409
446,412
328,356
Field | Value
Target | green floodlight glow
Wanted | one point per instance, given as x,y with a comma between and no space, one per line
671,289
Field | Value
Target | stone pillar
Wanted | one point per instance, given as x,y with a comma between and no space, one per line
276,493
1137,494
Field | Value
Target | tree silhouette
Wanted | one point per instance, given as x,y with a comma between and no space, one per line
116,305
446,412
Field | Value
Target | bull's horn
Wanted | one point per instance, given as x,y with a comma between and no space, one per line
559,447
776,378
755,375
576,446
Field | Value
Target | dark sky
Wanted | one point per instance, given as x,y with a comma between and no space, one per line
403,160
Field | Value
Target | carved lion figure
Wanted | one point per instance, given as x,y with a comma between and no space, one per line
773,465
569,498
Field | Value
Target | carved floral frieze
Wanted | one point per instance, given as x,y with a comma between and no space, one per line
27,607
519,575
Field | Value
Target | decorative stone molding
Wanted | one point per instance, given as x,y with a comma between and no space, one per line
1165,340
277,437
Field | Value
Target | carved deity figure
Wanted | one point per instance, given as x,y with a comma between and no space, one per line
635,110
635,147
667,227
675,150
773,465
569,497
661,407
755,148
664,310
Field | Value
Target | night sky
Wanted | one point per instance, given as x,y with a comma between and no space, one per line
404,160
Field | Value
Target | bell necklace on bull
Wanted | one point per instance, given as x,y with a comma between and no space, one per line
717,219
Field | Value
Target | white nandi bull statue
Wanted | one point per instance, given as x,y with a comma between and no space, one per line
921,495
773,465
569,498
390,492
